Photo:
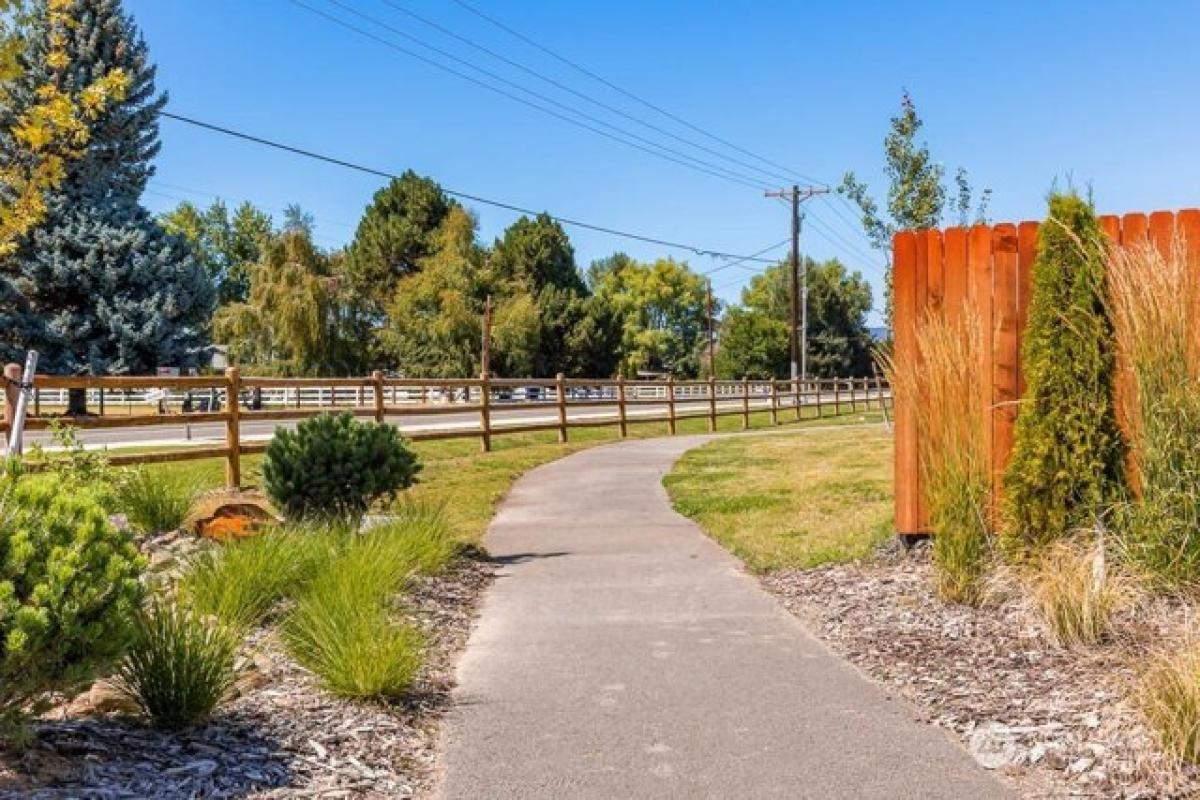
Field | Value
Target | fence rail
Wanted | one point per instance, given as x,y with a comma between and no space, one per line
145,401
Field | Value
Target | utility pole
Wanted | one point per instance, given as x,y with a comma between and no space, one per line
798,288
712,341
485,358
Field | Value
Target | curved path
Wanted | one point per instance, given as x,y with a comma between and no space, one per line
623,654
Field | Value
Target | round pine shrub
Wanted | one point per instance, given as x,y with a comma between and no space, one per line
336,467
69,591
1067,463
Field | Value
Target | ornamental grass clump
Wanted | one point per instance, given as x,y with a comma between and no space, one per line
1151,295
154,500
942,387
179,666
333,466
1076,592
342,626
239,583
1067,466
69,591
1169,698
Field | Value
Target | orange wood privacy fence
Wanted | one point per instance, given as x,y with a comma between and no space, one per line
986,269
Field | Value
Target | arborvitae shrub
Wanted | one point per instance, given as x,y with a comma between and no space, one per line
69,591
336,467
1067,462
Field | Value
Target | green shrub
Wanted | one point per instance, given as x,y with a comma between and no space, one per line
1150,294
341,627
1067,461
179,666
335,466
68,590
239,582
153,500
418,536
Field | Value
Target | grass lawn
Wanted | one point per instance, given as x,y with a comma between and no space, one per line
469,484
794,500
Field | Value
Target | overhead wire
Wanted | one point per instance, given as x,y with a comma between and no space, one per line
311,154
774,175
647,146
625,92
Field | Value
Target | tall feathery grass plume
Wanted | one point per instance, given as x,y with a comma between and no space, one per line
1153,295
942,387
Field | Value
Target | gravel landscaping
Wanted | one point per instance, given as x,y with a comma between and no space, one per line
281,736
1055,720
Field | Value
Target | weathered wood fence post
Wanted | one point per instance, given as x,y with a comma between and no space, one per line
745,403
377,391
774,402
560,388
485,413
712,404
622,422
671,404
233,442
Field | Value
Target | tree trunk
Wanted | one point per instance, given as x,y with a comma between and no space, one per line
76,402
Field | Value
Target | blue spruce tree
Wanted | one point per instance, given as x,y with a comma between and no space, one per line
102,288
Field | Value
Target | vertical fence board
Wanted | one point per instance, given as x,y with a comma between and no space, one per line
1161,230
935,280
1027,233
954,267
904,319
980,287
1134,228
1188,222
1004,345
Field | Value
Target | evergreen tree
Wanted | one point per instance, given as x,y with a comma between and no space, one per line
1067,461
397,230
105,288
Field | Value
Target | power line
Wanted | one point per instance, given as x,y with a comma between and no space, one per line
584,70
700,251
650,146
571,90
742,261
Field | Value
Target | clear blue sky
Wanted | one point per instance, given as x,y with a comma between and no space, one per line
1020,93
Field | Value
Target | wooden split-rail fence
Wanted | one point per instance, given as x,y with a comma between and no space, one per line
987,270
264,399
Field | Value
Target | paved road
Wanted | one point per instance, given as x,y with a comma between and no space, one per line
623,654
502,414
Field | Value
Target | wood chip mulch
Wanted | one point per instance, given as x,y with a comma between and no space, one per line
282,736
1055,720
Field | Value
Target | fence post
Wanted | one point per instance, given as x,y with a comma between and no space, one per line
837,397
774,402
820,403
712,404
560,386
377,390
485,413
233,461
853,396
745,403
797,397
624,425
671,404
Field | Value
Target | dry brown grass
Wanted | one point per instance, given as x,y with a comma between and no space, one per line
1169,698
1076,592
943,387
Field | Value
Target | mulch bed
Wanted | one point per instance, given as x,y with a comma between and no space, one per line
281,736
1056,720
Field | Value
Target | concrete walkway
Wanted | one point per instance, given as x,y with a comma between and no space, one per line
623,654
